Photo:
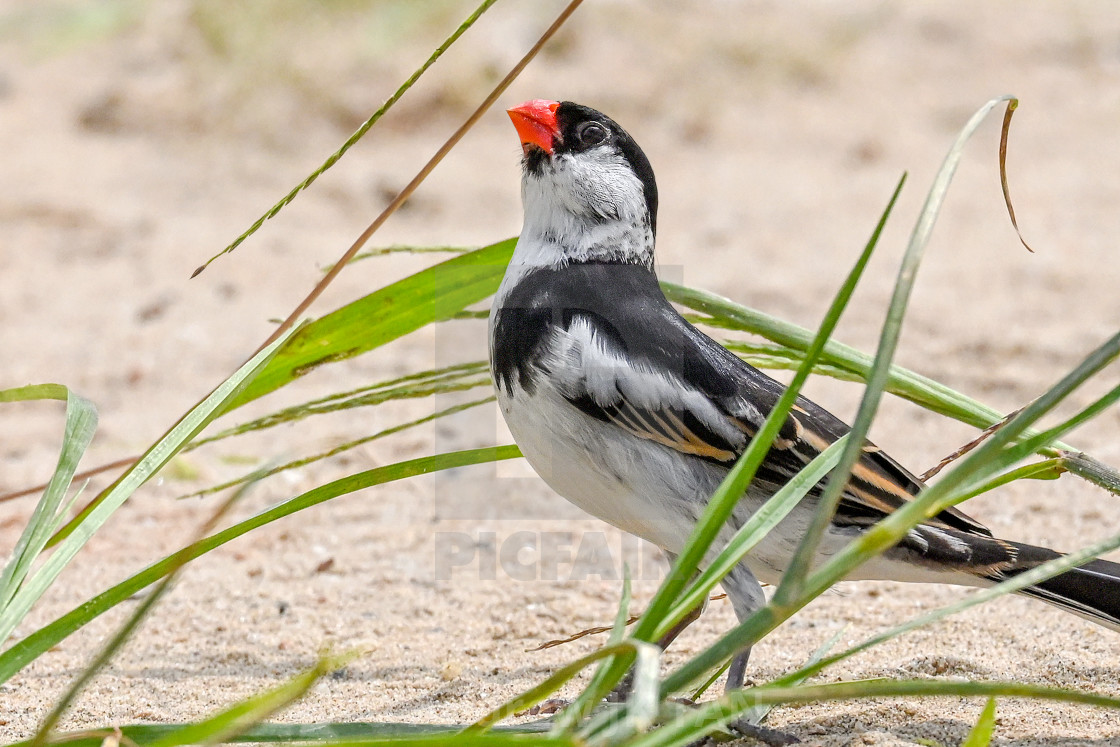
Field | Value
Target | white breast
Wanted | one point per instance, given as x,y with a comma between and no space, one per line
635,485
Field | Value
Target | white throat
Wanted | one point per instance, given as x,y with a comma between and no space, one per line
579,210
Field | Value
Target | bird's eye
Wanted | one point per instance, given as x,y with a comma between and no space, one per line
592,133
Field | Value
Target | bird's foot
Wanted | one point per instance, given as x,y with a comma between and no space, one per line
546,708
743,728
763,734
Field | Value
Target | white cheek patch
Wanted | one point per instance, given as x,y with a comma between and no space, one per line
600,183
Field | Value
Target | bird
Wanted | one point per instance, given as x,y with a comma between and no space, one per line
630,412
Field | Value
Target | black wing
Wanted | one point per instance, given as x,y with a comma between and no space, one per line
631,360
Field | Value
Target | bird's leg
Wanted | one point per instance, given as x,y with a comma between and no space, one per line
746,595
737,672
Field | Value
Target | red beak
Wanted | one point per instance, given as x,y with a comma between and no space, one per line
535,122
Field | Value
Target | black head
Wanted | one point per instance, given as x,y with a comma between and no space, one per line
583,128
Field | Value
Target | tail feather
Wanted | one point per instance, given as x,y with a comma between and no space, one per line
1091,590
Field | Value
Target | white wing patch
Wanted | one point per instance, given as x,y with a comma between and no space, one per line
584,364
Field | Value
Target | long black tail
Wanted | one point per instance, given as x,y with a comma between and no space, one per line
1091,590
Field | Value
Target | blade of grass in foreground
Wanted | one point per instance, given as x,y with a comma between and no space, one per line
708,717
358,134
907,384
386,315
459,377
339,733
77,532
981,734
753,531
246,714
303,461
109,650
793,580
1028,578
27,650
719,507
81,422
647,652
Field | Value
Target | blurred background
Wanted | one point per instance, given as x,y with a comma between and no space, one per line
140,138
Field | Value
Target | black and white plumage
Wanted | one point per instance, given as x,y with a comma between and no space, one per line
634,415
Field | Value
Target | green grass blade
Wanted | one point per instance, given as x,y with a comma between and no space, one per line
712,716
1029,578
81,423
385,315
358,134
722,502
459,377
793,581
1050,469
1049,436
910,385
356,733
244,715
27,650
297,463
753,531
618,630
557,680
62,705
981,734
488,739
405,249
34,392
74,536
756,714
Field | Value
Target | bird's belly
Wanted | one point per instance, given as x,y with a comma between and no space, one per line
629,483
643,487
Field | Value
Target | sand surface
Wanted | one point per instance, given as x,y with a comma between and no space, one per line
139,139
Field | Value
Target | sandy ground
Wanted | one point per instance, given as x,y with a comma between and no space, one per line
140,138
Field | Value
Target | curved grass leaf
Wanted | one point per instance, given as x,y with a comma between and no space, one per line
27,650
981,733
793,580
753,531
405,306
244,715
355,733
49,513
907,384
1035,575
407,249
341,448
710,717
459,377
358,134
109,650
72,537
648,653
